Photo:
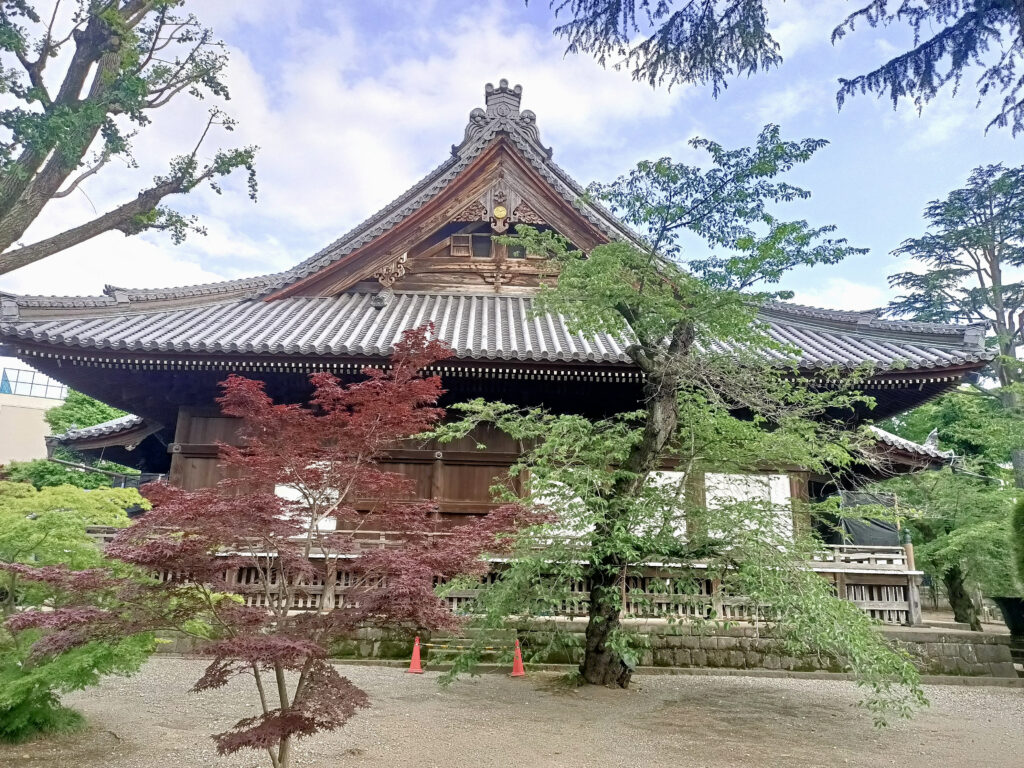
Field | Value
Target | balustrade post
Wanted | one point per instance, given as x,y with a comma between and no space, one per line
914,617
330,582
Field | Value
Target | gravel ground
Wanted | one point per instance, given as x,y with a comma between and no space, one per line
150,721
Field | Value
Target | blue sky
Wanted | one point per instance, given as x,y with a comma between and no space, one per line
351,102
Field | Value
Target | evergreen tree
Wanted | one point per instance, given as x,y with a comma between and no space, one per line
683,42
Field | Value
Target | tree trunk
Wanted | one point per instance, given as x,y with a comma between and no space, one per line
960,600
601,665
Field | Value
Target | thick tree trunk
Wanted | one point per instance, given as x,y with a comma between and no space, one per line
960,600
601,665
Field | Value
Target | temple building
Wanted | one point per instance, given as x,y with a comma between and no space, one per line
429,256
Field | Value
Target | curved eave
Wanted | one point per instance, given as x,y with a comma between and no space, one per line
124,431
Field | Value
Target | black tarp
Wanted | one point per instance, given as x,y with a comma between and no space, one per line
862,531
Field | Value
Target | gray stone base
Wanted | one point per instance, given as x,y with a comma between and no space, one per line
682,646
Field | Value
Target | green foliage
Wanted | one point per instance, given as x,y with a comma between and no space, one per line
971,422
679,42
959,521
717,398
29,689
42,473
81,82
1017,532
975,240
47,527
79,411
960,517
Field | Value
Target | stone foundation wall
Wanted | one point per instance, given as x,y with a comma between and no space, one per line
936,651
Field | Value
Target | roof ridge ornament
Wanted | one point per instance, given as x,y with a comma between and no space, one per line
501,115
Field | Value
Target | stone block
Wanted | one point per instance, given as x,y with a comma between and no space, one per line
737,659
772,661
1002,669
663,657
682,657
728,643
788,662
699,658
989,653
967,653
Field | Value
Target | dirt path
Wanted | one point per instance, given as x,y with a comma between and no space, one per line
149,721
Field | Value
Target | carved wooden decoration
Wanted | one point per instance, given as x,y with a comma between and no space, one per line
387,275
524,214
475,211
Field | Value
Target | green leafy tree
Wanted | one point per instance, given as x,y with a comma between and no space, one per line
47,528
41,473
961,527
960,518
1017,532
683,42
713,400
79,411
973,246
82,78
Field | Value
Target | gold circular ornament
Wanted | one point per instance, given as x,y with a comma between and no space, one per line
500,212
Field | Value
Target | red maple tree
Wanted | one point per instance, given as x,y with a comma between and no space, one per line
254,564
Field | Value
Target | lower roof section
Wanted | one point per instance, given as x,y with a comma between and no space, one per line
478,327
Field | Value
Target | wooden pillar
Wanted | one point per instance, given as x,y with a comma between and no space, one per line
841,586
437,481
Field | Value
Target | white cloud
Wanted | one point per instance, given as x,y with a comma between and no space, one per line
781,106
800,24
840,293
345,122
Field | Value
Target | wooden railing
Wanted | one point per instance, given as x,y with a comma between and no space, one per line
857,557
876,579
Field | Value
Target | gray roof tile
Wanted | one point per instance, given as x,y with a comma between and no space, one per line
909,446
477,327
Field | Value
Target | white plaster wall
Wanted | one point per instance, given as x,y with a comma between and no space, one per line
23,428
722,489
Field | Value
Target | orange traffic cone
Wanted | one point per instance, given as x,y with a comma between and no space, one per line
517,663
414,665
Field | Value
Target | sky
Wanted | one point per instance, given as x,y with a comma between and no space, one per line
352,102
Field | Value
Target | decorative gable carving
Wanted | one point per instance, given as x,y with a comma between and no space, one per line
524,214
502,115
388,274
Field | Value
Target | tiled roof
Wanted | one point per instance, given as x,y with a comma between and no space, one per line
107,428
478,327
909,446
502,118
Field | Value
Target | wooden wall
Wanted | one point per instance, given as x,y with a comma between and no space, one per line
458,476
